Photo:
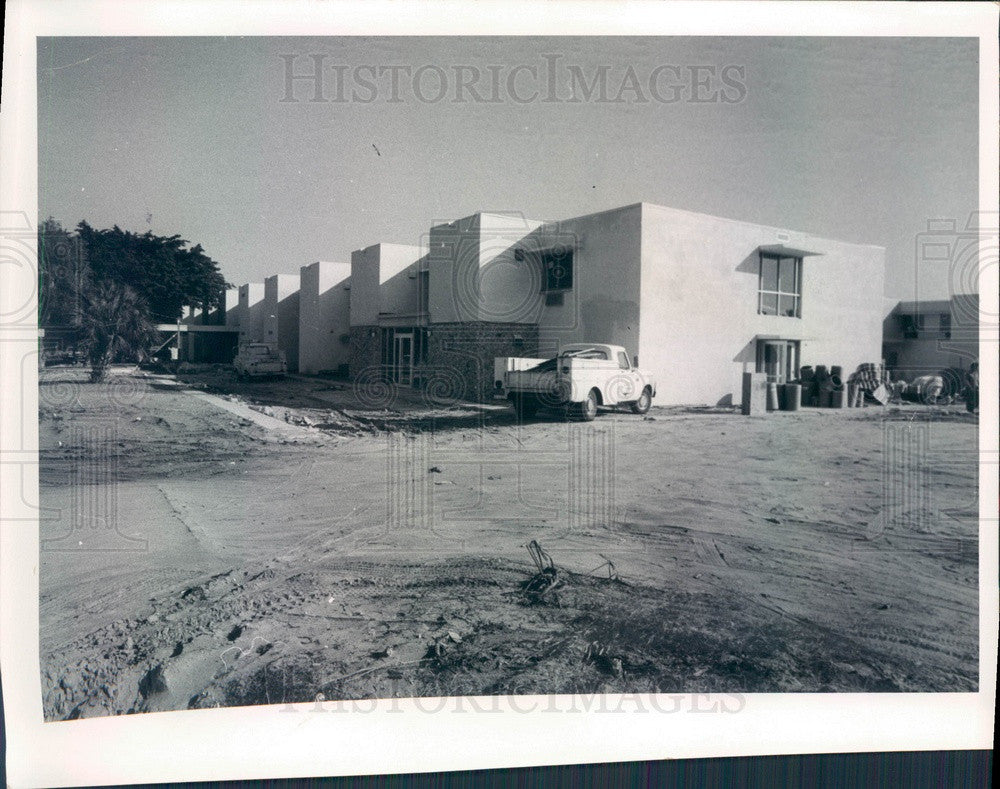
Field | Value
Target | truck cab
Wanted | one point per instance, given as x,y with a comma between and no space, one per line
259,360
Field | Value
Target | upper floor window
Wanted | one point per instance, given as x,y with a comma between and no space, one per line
926,325
779,288
557,268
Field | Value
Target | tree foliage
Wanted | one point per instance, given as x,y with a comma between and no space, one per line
115,325
163,270
110,286
64,276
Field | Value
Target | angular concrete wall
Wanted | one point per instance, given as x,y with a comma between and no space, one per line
384,281
281,311
250,315
324,316
699,325
479,272
603,304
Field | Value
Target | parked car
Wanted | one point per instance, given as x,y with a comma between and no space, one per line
259,360
581,379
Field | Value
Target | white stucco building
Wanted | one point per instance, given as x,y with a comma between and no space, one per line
281,315
697,299
324,317
925,337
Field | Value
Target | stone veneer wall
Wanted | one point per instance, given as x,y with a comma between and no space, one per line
366,349
460,355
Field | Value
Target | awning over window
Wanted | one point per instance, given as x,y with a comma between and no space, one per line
786,252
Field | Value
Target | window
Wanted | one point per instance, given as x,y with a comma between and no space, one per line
554,299
557,268
623,360
779,359
780,286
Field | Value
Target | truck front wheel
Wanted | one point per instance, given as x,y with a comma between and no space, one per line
641,406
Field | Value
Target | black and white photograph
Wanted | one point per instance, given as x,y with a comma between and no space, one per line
626,373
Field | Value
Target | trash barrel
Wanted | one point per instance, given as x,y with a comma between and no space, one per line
838,398
824,398
852,394
835,382
859,397
792,398
806,373
822,372
837,371
772,397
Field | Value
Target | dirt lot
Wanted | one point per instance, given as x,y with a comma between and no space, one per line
221,543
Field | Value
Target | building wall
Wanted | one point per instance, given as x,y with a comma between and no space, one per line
460,355
936,347
250,314
365,357
381,282
698,310
281,308
603,304
324,316
474,274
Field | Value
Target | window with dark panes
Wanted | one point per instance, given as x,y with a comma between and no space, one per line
780,286
557,268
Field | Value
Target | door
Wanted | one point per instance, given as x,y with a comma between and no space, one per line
778,359
631,383
402,372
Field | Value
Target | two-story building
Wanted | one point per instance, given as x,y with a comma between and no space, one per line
925,337
698,300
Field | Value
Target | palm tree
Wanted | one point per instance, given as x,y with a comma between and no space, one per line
115,324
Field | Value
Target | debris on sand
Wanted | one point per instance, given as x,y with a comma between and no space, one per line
434,470
612,573
194,592
540,588
605,662
153,682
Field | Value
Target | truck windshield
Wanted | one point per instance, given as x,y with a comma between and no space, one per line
588,353
579,353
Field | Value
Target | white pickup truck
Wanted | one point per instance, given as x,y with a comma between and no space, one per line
259,360
583,377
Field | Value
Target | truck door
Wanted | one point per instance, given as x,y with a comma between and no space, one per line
631,385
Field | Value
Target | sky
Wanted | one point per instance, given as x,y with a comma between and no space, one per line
858,139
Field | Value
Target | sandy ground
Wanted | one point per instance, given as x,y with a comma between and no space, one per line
222,543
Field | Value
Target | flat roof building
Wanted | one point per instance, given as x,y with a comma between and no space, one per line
324,317
698,300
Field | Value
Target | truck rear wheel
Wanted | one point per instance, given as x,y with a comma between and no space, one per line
642,405
525,406
588,408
